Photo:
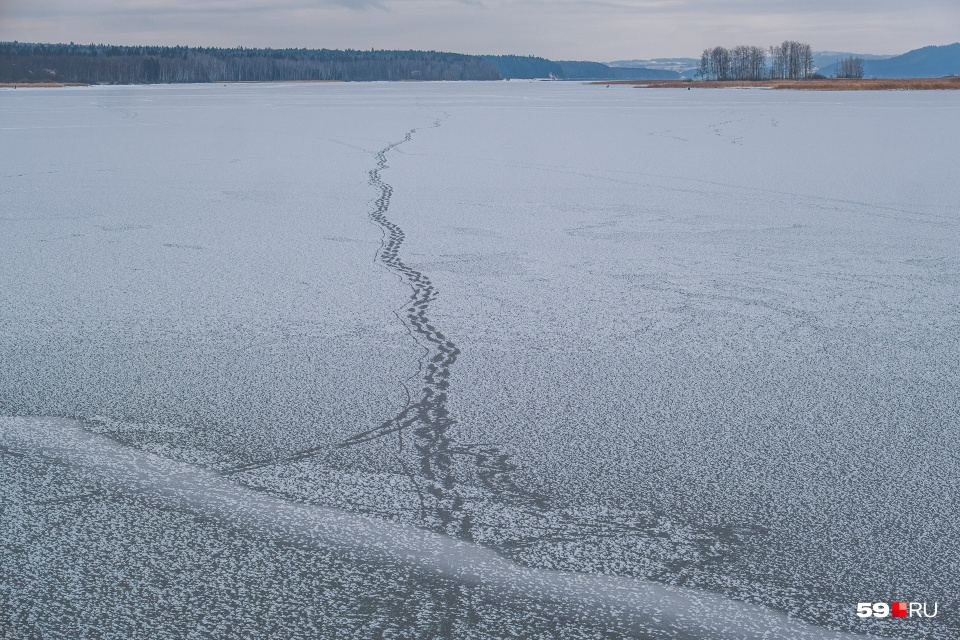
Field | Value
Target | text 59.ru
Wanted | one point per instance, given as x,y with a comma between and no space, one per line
895,610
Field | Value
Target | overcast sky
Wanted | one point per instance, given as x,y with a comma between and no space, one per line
559,29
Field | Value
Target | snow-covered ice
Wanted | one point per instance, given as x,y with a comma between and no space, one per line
629,605
702,339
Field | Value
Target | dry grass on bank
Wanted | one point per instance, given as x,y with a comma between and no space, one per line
829,84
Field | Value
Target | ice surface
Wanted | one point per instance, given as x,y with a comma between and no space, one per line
701,339
632,606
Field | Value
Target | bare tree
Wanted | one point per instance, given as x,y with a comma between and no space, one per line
778,63
791,60
740,63
850,68
758,63
703,72
720,63
714,64
806,61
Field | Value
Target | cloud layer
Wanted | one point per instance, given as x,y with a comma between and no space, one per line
559,29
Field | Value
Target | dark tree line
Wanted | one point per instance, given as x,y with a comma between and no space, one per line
850,68
791,60
107,64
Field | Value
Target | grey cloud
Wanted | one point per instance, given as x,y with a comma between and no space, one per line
560,29
755,7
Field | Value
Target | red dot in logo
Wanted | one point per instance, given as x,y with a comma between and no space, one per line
898,609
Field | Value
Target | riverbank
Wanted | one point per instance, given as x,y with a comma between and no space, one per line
826,84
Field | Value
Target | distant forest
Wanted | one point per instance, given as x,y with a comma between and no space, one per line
109,64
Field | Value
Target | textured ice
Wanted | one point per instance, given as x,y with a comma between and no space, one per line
632,606
707,340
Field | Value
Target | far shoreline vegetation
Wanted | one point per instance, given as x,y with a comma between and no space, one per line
948,83
808,84
37,64
786,66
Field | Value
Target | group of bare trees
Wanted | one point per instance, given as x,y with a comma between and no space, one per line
748,63
791,60
850,68
739,63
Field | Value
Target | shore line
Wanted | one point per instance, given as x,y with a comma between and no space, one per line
947,83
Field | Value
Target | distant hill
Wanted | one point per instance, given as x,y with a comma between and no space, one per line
687,67
928,62
822,59
524,67
678,65
579,70
529,67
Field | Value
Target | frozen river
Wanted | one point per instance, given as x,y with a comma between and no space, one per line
478,360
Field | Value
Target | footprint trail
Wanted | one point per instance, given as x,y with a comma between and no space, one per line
425,413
